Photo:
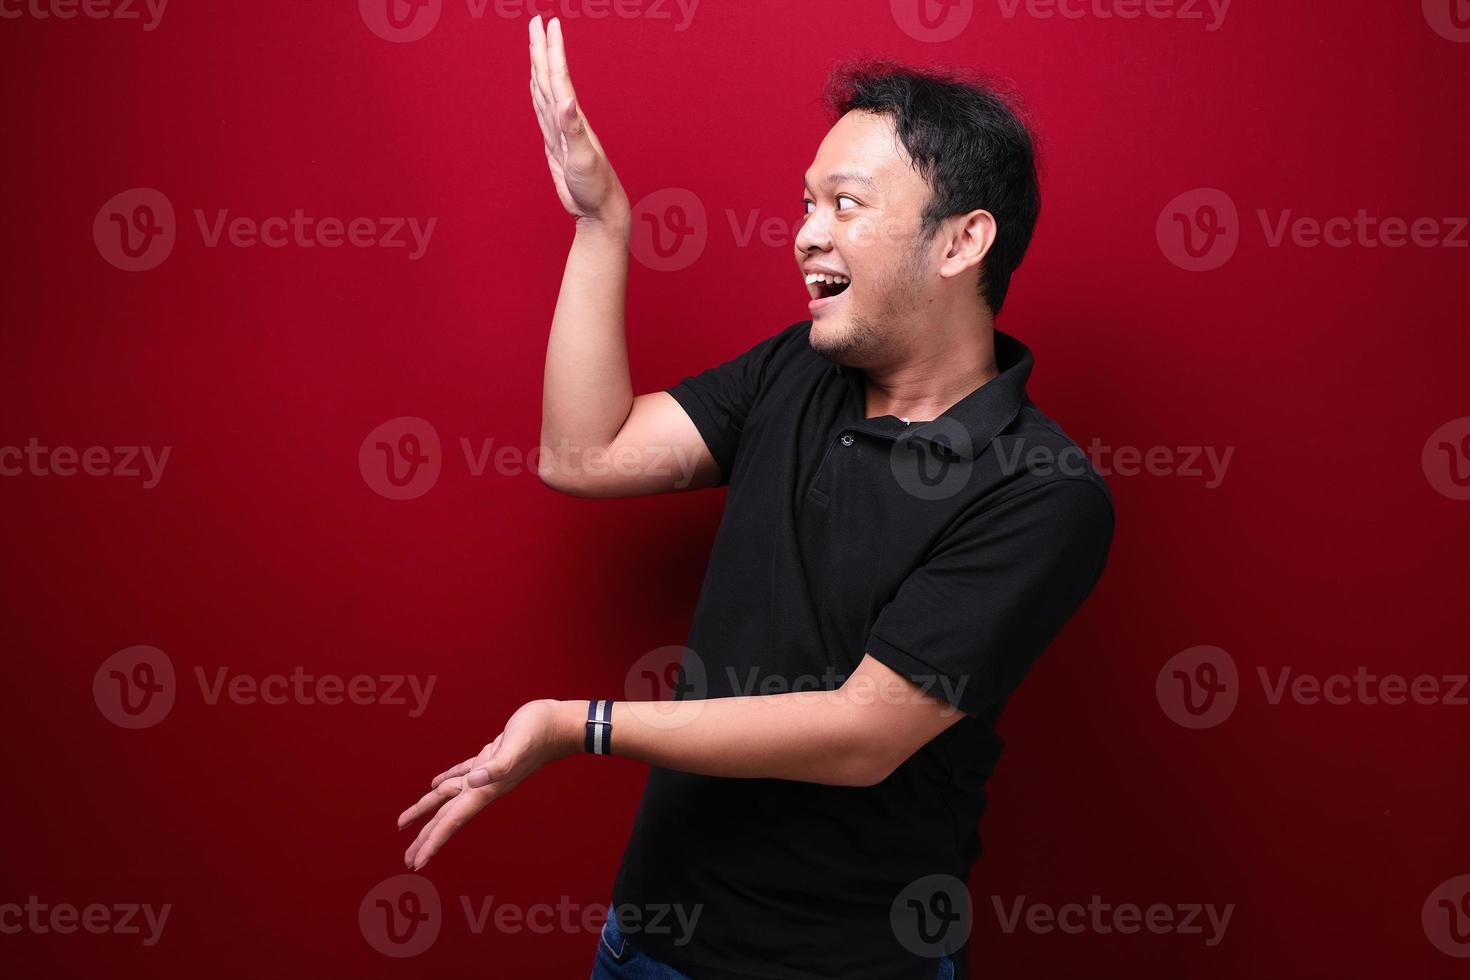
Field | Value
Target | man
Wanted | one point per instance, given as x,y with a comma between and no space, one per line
904,533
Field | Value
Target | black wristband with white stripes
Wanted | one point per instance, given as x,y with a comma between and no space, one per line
598,740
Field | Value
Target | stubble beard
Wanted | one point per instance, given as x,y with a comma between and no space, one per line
866,340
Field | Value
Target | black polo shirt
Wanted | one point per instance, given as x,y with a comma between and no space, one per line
952,550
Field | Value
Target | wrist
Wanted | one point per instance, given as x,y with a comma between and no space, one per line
614,223
569,727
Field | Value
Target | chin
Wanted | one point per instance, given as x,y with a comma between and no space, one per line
826,331
831,337
849,339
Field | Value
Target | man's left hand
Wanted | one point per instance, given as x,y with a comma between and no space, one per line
532,737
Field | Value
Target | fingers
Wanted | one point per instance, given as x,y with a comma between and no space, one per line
541,84
564,98
455,801
540,70
543,119
433,835
433,799
469,763
488,766
491,771
556,52
447,785
569,138
453,815
458,770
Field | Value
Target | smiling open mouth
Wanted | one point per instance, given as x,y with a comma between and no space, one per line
825,286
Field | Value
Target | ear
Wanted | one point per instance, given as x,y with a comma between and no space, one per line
970,238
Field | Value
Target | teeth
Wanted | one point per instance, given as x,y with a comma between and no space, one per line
817,277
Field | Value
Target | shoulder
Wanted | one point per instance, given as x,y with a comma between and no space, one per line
793,343
787,356
1037,464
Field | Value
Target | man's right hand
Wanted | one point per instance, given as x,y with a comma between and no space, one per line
597,438
585,181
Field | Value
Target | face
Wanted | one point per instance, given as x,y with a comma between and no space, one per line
864,203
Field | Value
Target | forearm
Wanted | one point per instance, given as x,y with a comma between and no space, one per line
587,391
856,735
810,736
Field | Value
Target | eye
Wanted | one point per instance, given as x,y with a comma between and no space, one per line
810,205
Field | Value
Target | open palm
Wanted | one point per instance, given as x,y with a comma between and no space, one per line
584,179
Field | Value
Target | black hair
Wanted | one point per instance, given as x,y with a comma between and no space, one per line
966,139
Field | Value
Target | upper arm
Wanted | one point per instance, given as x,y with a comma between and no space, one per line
966,626
975,616
684,437
658,449
897,717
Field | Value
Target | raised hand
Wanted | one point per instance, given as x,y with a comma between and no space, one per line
584,179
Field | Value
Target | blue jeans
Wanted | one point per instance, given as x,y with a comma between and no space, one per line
618,960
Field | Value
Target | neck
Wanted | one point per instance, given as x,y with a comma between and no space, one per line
922,384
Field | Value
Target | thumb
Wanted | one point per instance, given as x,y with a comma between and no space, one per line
571,119
478,778
574,128
496,767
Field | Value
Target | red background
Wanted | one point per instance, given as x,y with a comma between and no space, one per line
1326,548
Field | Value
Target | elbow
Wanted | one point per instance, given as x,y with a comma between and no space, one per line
549,476
861,768
559,479
578,471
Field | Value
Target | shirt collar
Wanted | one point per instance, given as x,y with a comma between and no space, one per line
969,425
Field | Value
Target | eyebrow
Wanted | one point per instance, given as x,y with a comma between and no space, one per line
852,176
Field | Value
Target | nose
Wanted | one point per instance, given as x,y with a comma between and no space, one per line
815,233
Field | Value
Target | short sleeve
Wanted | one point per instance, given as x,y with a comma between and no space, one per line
719,399
968,624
